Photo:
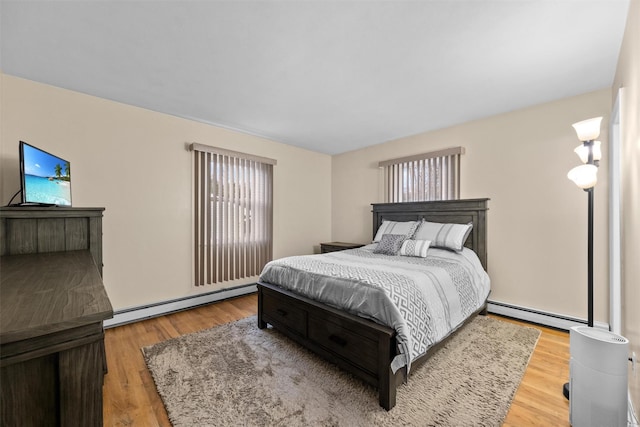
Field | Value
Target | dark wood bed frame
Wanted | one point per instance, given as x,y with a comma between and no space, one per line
360,346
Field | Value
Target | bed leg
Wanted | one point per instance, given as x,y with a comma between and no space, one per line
387,391
386,378
261,323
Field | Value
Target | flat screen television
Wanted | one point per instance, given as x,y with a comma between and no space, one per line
45,178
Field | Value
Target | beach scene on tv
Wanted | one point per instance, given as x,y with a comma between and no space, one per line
47,178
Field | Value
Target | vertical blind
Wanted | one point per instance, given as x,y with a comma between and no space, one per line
423,177
233,213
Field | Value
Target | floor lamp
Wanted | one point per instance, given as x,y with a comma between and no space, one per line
585,176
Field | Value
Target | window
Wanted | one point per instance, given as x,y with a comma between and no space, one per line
233,214
424,177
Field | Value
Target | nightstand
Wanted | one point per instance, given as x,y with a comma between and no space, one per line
338,246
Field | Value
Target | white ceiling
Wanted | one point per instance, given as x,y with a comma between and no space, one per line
329,76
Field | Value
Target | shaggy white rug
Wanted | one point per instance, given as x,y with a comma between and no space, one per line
239,375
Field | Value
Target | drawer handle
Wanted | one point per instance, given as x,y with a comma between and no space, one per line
281,312
338,340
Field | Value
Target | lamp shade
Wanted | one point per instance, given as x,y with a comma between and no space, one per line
583,152
584,176
589,129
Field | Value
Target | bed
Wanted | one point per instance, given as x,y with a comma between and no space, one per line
362,343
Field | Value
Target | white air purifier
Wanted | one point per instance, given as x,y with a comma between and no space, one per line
598,378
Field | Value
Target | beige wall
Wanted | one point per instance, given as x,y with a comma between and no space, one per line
133,162
118,152
537,219
628,78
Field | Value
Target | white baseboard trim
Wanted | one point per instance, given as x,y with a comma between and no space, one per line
135,314
552,320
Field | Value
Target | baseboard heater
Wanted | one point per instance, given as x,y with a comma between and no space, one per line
135,314
551,320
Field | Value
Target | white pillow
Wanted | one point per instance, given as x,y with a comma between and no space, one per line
448,236
406,228
417,248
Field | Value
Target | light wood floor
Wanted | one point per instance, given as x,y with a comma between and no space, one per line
130,397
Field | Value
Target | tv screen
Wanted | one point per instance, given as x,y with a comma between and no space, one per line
46,179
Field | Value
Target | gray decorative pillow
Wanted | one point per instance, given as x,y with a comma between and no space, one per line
448,236
390,244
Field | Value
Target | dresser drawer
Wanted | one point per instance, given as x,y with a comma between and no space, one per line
278,310
355,348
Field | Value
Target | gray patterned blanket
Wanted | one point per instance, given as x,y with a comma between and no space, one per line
423,299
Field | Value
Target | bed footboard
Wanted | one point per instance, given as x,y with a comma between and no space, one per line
359,346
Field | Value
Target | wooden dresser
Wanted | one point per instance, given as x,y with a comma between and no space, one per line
53,303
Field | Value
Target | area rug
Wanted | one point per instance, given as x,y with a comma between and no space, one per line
238,375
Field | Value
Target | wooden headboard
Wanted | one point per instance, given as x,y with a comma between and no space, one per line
445,211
